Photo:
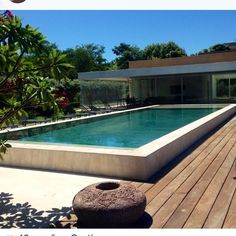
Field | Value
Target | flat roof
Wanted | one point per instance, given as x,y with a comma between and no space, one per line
159,71
209,57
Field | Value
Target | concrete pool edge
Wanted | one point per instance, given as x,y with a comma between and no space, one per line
61,122
173,144
140,163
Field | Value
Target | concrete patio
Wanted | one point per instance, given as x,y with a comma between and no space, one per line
36,199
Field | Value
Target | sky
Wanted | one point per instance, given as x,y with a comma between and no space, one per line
191,30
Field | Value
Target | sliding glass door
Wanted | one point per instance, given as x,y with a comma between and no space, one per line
224,86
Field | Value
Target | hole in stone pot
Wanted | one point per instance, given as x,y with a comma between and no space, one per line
108,186
17,1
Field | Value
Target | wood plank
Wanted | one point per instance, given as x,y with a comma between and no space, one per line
191,160
203,207
230,220
183,207
219,211
145,187
165,212
202,164
190,182
206,147
192,189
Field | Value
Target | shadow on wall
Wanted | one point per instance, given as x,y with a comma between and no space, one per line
22,215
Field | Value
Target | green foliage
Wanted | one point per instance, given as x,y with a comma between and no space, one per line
152,51
215,48
3,147
96,52
222,88
102,92
88,57
163,50
72,87
125,53
27,61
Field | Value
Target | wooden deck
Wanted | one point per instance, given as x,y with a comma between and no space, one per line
196,191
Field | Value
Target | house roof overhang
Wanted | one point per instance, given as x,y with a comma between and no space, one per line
123,75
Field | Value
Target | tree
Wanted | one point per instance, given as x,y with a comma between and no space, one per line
152,51
163,50
215,48
219,48
125,53
67,92
88,57
96,52
171,49
25,58
102,92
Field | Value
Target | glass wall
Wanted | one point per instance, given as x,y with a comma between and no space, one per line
224,87
103,93
175,89
197,89
233,87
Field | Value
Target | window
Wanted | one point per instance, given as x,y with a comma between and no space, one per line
176,89
233,87
222,88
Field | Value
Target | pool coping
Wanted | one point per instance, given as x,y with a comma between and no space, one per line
90,117
138,163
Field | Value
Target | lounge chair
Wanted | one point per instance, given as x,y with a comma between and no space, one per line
97,110
86,111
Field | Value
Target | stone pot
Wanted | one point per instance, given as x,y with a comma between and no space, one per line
109,204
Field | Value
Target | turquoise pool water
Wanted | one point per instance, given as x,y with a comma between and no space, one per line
130,130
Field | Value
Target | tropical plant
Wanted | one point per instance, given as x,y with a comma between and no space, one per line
27,61
67,92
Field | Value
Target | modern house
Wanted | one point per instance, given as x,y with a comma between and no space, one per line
205,78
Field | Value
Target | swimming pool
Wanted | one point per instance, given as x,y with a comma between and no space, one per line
139,162
130,129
